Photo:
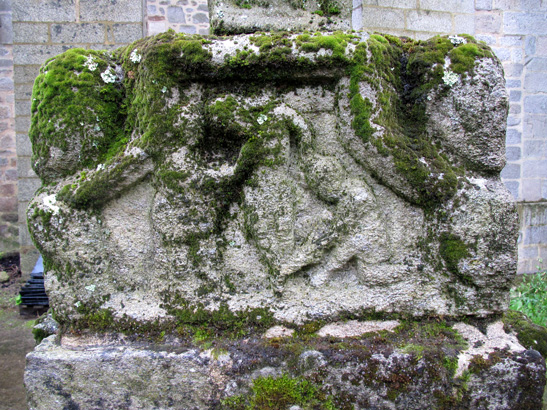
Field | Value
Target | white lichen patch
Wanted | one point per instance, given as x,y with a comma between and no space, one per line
457,40
278,331
483,345
229,47
219,357
262,119
323,52
354,328
90,63
109,76
49,202
90,288
135,56
450,78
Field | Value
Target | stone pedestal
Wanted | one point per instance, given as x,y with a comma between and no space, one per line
205,192
408,366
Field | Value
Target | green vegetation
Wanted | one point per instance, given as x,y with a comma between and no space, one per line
191,321
463,57
528,314
102,186
217,323
530,297
336,42
402,72
247,4
328,8
280,393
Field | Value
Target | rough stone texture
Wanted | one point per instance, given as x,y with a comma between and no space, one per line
410,369
458,119
482,344
230,17
278,331
355,328
268,197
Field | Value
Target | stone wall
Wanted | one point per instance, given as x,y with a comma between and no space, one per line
9,232
419,19
183,16
42,30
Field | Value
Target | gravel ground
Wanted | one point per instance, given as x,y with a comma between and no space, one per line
15,342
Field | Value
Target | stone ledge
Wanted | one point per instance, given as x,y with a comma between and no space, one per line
413,368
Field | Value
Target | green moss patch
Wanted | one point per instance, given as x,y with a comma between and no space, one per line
452,250
280,393
530,335
73,108
402,72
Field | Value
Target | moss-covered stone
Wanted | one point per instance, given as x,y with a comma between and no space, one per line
529,334
222,158
75,110
403,72
452,250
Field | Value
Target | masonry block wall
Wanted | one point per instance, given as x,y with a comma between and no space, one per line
183,16
9,230
418,19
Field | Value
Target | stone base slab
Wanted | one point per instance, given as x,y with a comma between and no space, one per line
414,366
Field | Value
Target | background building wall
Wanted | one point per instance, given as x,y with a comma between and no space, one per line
515,29
418,19
9,230
183,16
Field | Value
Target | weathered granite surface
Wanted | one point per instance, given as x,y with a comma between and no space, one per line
306,176
416,366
